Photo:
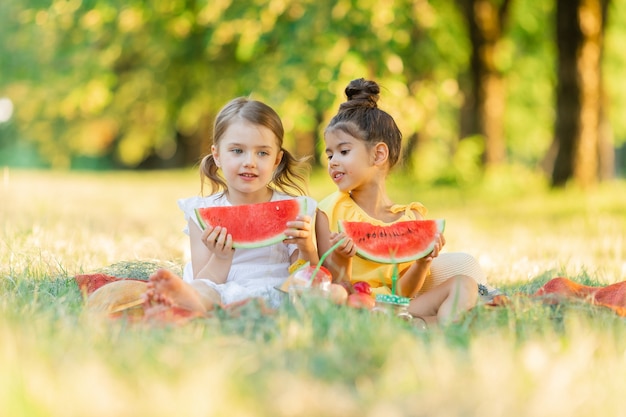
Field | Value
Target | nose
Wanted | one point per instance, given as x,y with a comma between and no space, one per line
250,160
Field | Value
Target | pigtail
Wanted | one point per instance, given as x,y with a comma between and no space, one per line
291,175
209,171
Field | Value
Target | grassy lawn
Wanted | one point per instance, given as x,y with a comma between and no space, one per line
529,359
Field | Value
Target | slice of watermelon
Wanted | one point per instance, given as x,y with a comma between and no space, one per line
394,243
255,225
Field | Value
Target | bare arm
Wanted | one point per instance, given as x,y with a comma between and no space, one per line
211,252
339,263
413,279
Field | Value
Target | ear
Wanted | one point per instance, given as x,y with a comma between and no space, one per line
216,156
279,157
381,153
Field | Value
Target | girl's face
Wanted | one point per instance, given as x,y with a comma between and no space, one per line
350,162
248,155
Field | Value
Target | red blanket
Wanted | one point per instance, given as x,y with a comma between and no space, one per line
88,283
611,296
554,291
121,300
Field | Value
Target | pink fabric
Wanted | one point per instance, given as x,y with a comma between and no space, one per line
88,283
611,296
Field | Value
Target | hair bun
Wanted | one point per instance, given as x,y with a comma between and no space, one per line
361,93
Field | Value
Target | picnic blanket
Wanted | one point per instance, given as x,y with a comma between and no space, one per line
118,297
556,290
610,296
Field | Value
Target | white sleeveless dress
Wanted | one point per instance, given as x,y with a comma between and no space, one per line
254,272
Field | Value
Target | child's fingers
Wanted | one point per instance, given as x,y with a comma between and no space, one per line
222,244
206,232
217,239
228,243
348,248
218,235
293,234
222,236
301,223
305,219
336,237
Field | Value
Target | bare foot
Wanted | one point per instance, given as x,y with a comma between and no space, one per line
166,289
165,314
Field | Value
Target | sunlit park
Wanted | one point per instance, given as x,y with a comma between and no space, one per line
511,114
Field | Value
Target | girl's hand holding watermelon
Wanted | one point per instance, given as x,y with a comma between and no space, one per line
218,242
440,242
345,250
415,275
341,258
299,232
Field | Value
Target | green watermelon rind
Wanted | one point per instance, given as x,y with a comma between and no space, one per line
390,259
303,203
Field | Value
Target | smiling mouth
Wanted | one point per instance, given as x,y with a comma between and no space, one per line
247,175
337,175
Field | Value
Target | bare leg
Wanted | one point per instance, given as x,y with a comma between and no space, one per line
168,289
208,296
165,313
445,302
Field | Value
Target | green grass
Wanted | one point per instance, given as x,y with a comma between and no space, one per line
317,360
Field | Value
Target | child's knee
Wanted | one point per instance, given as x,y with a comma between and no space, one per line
465,286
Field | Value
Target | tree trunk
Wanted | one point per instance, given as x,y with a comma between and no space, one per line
606,157
484,106
580,130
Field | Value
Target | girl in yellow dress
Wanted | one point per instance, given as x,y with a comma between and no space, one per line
363,143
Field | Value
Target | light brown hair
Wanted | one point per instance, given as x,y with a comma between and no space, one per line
290,175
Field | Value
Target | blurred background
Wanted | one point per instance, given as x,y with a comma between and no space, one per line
475,85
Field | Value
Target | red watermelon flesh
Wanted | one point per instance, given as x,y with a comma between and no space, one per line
394,243
254,225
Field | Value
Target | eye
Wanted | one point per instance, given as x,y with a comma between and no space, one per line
236,150
329,156
263,153
344,151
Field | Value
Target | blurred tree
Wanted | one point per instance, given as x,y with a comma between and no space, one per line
131,84
527,57
579,134
485,102
140,85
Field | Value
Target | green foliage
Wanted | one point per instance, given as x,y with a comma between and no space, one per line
614,62
530,57
138,269
119,83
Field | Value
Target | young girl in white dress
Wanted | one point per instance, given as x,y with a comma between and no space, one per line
247,164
